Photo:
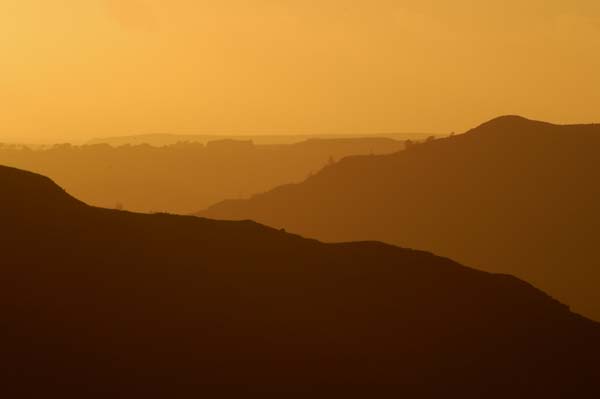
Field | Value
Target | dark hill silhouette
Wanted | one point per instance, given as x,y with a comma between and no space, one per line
183,177
513,195
106,303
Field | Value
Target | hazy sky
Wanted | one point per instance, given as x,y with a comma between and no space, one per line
82,68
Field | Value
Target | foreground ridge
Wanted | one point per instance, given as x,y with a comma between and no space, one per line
102,302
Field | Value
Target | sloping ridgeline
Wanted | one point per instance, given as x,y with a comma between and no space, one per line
512,196
102,303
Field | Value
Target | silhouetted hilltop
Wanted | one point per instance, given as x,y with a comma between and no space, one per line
183,177
512,195
105,303
508,124
28,191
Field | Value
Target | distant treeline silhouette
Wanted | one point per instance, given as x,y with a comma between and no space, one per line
513,195
100,303
165,139
183,177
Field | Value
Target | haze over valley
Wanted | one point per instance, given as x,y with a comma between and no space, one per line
186,176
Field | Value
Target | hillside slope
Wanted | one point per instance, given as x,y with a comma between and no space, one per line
512,196
103,303
183,177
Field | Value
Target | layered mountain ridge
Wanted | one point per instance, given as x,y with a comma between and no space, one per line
512,196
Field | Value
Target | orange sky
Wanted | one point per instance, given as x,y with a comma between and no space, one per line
76,69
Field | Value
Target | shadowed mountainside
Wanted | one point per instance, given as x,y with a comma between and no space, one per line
98,303
513,195
184,177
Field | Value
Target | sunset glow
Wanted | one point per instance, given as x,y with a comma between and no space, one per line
79,69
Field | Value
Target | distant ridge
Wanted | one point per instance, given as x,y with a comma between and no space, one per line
183,177
512,195
102,303
162,139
